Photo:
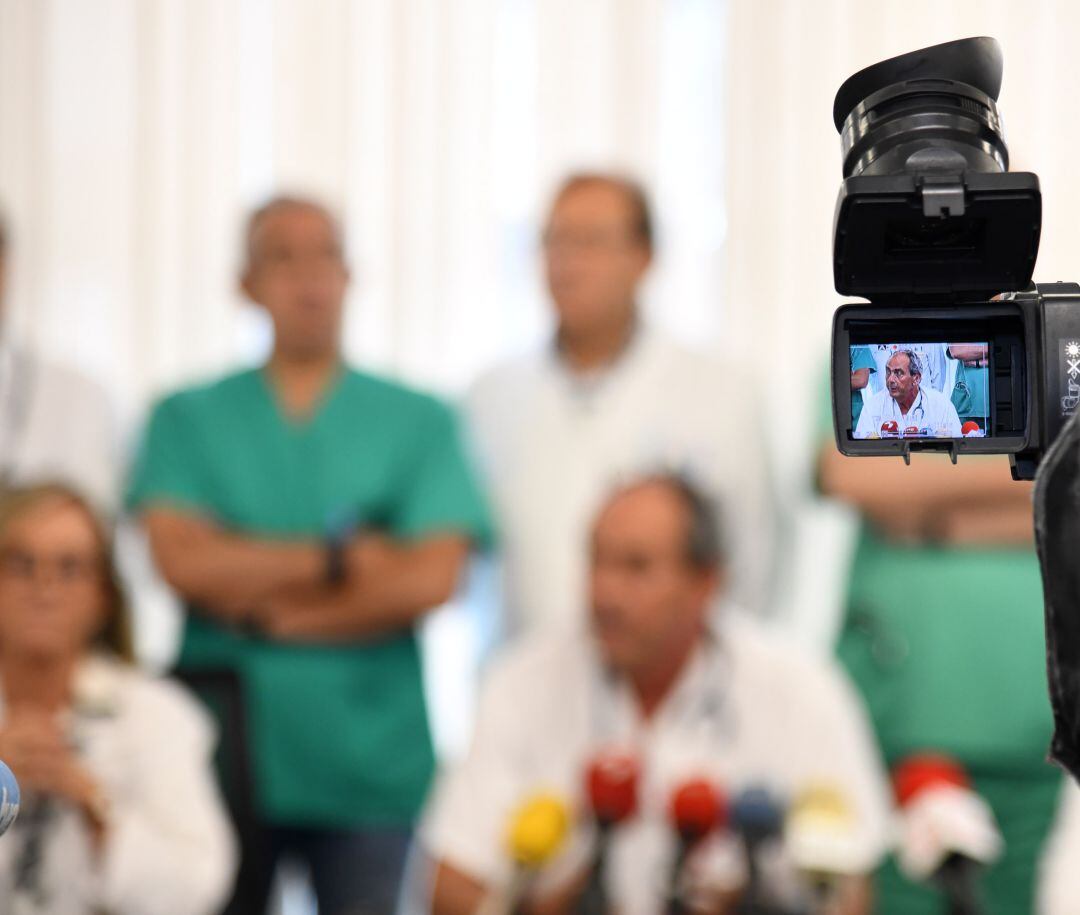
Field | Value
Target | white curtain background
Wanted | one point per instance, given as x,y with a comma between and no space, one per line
134,134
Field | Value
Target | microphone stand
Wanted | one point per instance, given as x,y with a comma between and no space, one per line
956,877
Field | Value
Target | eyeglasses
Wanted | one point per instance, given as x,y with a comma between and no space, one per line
65,569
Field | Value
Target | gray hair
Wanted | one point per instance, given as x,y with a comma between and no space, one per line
705,548
914,362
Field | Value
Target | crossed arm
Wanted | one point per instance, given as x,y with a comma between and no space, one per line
280,586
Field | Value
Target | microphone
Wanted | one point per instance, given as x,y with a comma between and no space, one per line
611,783
536,833
9,798
820,836
697,808
947,831
757,818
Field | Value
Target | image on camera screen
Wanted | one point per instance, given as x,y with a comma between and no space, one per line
920,390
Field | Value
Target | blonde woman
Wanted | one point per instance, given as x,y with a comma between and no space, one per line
120,812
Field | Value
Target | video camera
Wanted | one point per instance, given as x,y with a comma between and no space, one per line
941,239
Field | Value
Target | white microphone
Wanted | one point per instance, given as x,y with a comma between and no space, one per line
947,832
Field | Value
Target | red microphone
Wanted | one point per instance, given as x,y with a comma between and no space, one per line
926,770
611,783
947,830
697,808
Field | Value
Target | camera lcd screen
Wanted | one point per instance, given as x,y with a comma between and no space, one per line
920,390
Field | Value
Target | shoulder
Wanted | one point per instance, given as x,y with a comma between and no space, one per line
545,665
206,395
772,661
396,398
155,707
509,375
64,380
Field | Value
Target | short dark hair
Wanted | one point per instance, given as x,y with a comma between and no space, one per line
705,548
285,202
632,191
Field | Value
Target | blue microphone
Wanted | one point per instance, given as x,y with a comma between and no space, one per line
757,818
9,798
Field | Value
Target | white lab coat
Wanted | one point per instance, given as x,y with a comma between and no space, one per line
930,411
747,712
169,848
56,425
553,445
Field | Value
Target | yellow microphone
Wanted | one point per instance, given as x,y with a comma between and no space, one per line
536,832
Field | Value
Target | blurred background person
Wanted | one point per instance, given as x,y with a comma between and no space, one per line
654,673
610,394
310,514
944,638
120,811
969,393
55,423
862,367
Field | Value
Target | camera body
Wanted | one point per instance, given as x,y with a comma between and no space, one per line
941,239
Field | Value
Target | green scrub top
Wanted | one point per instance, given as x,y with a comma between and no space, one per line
946,647
339,732
969,394
861,358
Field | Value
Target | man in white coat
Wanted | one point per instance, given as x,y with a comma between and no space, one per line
906,406
609,397
55,424
683,694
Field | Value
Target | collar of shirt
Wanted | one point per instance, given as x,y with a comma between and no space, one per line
586,386
695,701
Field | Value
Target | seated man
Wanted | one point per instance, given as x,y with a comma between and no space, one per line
690,698
906,407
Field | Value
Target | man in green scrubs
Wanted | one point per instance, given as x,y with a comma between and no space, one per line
310,514
972,379
944,638
862,367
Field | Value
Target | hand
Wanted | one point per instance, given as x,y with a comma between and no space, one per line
33,746
301,614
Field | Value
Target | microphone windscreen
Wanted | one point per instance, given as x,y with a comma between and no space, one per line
612,786
538,830
9,798
926,770
821,835
755,814
697,808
